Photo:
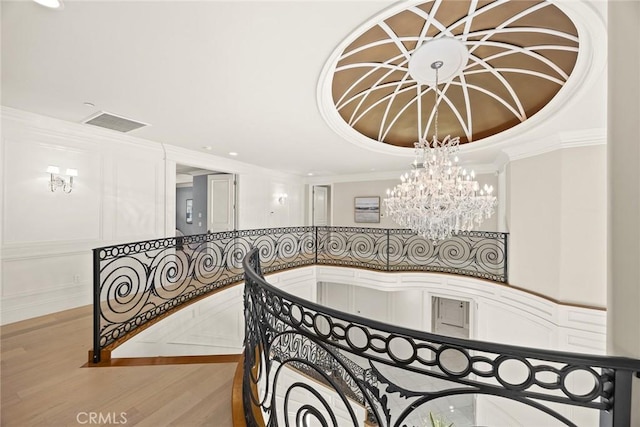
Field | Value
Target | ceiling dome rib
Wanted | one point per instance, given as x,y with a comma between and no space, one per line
517,63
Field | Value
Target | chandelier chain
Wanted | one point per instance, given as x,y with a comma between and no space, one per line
437,104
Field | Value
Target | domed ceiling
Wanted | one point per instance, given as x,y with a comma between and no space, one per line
503,62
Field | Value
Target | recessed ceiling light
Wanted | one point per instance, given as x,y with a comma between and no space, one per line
207,147
233,153
310,174
88,104
52,4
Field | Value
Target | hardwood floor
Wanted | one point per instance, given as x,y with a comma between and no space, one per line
44,382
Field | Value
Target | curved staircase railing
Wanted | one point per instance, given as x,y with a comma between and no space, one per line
399,374
134,284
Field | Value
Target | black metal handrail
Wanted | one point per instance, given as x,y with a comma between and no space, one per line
137,282
284,330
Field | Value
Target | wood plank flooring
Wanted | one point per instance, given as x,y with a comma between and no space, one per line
44,382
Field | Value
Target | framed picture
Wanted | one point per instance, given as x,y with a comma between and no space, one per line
367,209
189,216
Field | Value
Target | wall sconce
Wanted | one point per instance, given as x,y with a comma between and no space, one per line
282,198
60,181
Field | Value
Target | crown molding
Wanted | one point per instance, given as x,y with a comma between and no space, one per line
87,134
479,169
357,177
214,163
83,132
563,140
583,138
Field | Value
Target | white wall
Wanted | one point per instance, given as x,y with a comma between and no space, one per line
405,299
557,224
583,252
534,223
259,206
124,192
623,105
47,237
344,193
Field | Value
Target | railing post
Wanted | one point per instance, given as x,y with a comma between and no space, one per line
96,306
388,247
621,410
315,242
506,257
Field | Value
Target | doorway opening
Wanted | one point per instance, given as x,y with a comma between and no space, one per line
320,205
205,201
450,317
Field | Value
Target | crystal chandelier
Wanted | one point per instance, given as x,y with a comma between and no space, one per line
438,198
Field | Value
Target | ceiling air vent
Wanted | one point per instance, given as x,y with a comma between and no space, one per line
113,122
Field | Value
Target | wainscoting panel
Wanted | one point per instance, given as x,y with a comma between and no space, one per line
33,286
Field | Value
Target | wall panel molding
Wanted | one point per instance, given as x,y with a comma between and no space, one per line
555,325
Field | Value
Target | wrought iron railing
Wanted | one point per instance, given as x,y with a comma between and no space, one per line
471,253
398,374
135,283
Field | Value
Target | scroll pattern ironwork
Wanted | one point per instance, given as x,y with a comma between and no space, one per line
286,331
353,247
472,253
137,282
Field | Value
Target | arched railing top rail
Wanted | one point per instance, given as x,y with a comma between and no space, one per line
137,282
398,374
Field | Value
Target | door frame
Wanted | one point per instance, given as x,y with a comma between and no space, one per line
169,192
310,200
429,319
233,200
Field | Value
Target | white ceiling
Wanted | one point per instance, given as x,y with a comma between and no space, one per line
239,76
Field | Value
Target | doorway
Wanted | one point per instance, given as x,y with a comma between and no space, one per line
221,208
205,201
321,205
450,317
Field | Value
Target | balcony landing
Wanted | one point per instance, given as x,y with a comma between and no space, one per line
44,381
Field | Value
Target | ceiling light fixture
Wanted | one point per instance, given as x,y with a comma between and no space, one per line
233,153
52,4
438,198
